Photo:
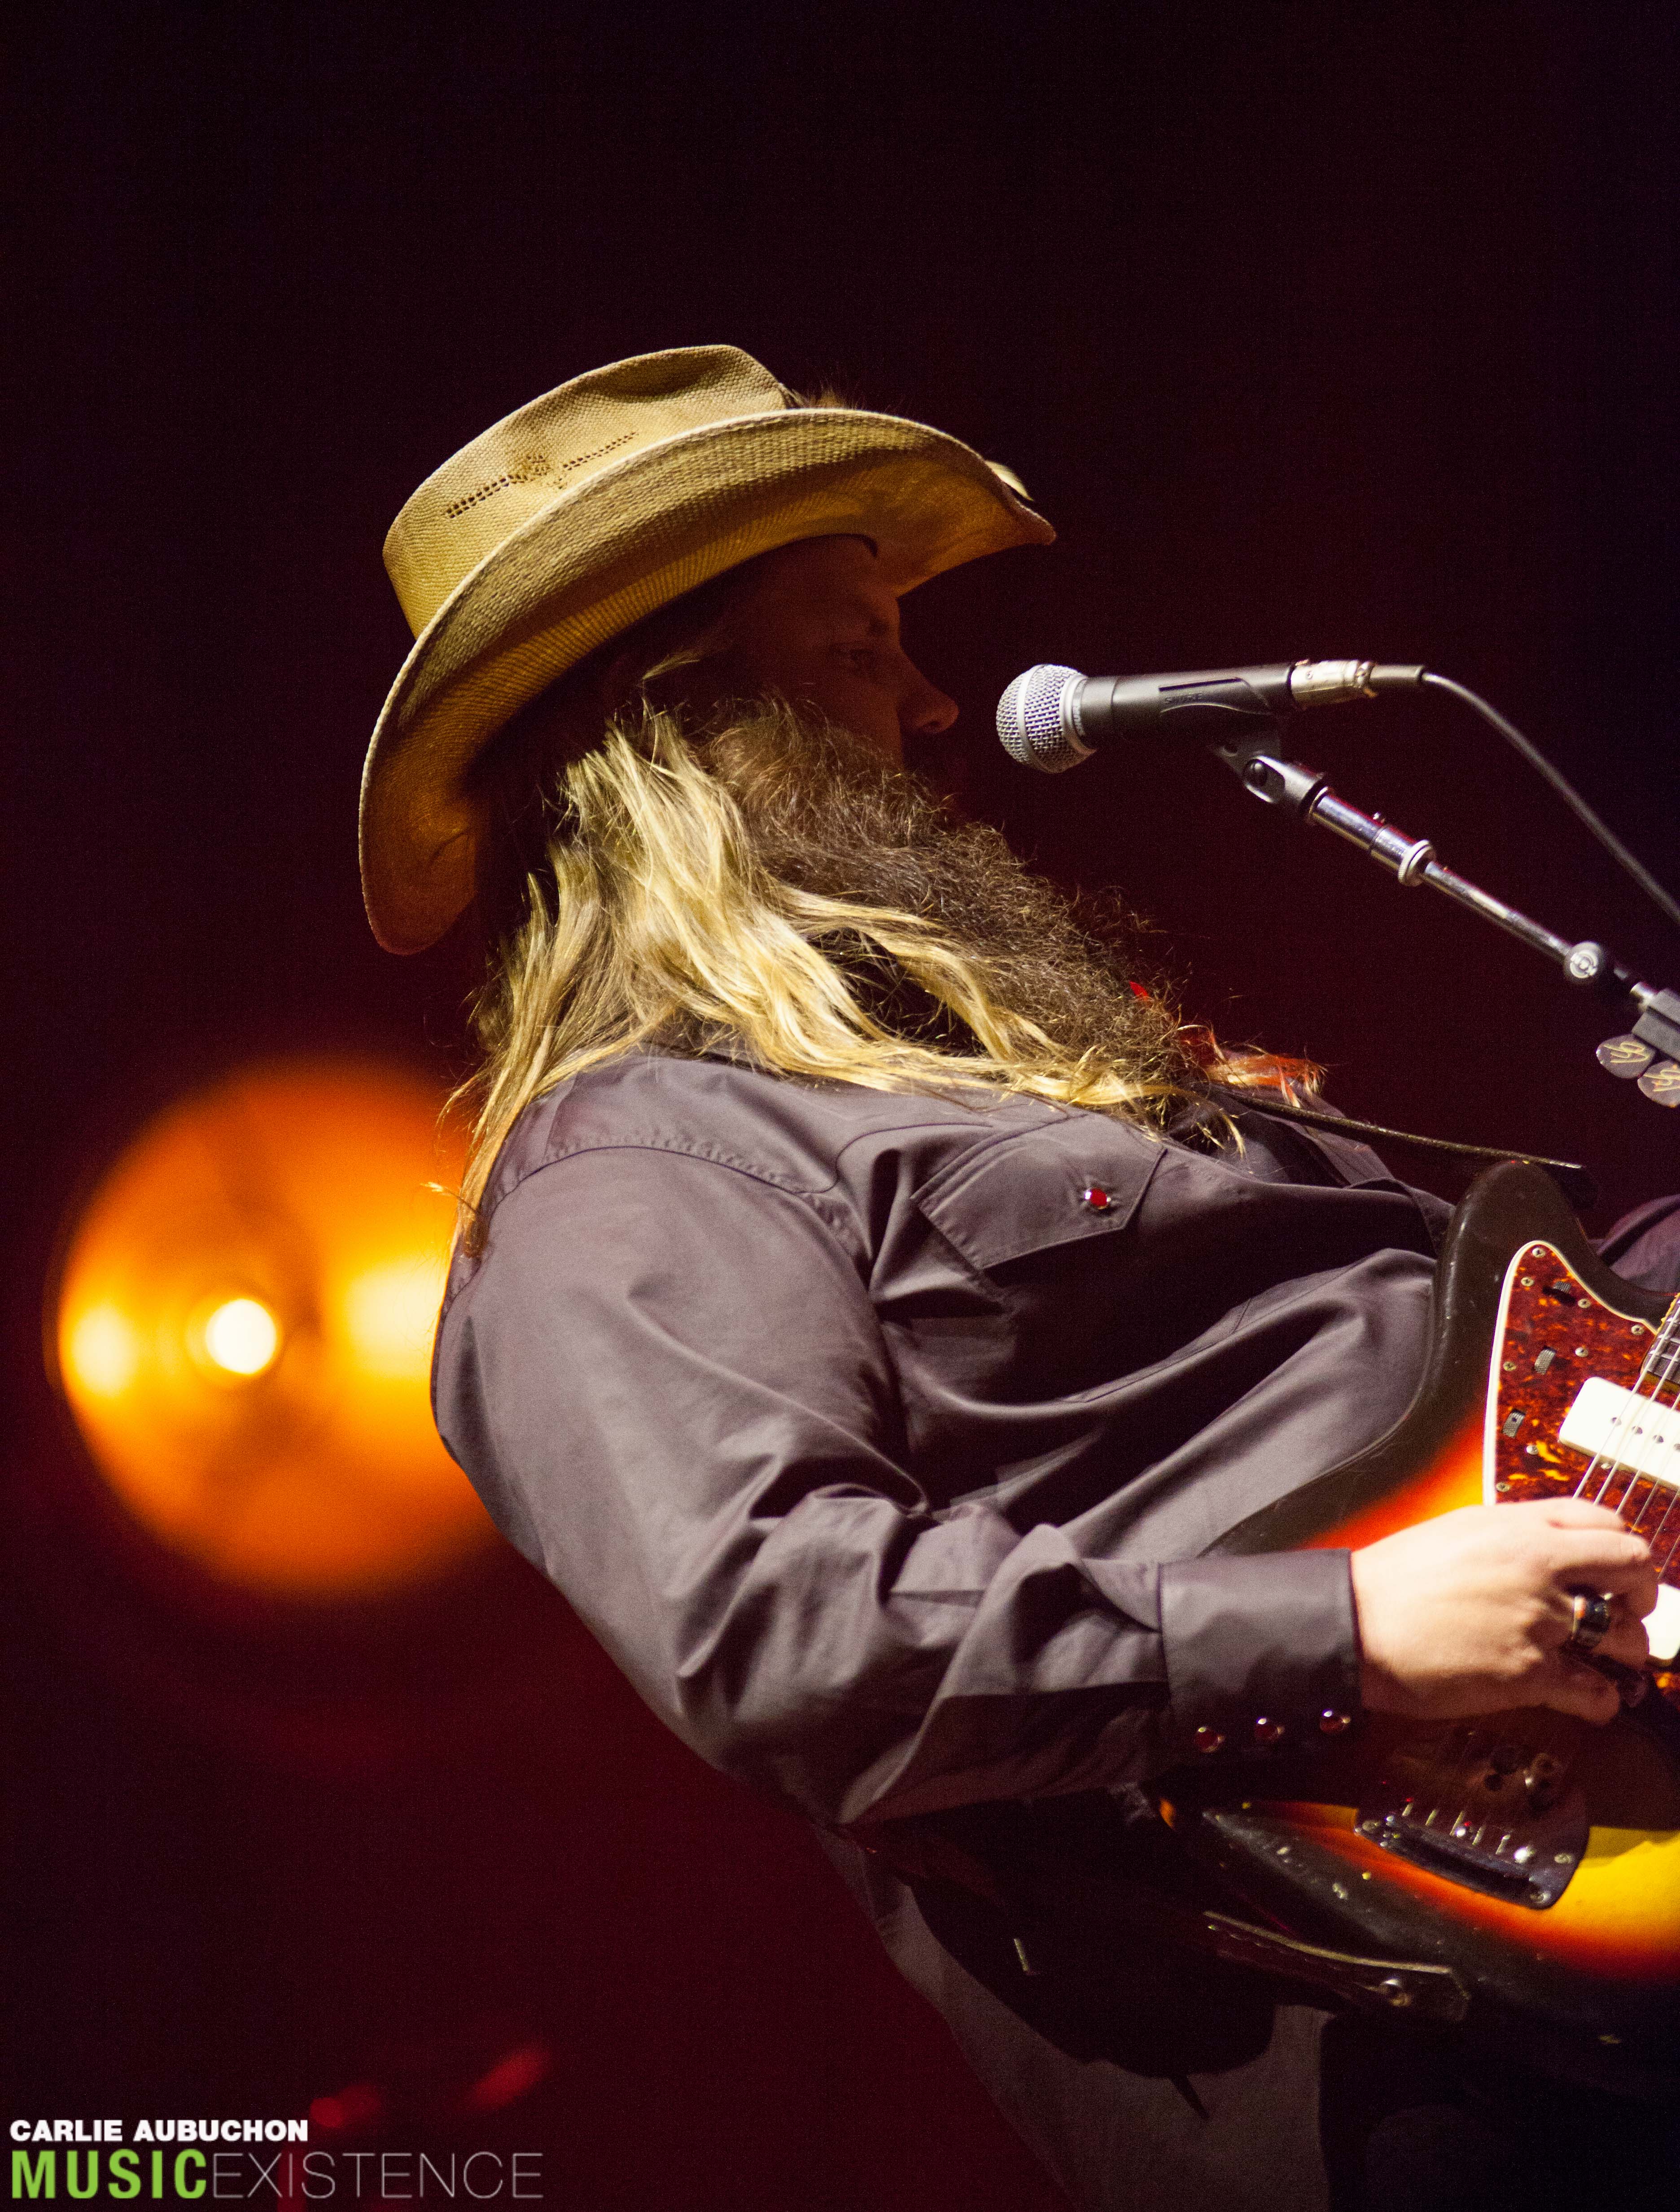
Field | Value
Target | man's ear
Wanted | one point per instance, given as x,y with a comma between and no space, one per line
693,674
619,679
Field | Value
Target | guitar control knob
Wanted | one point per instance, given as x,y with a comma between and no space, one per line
1541,1781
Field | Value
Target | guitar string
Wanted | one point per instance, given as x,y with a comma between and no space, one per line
1659,1370
1671,1328
1619,1448
1664,1356
1609,1450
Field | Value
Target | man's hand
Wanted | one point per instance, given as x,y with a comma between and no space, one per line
1469,1613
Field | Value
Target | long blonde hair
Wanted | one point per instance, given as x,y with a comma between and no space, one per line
629,905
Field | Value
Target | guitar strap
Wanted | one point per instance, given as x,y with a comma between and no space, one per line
1572,1179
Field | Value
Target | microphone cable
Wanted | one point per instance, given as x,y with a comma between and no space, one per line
1565,790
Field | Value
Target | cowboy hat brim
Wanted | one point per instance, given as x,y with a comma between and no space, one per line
596,559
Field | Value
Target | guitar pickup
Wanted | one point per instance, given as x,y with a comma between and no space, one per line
1626,1428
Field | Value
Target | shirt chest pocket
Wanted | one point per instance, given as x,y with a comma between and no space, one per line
1037,1265
1077,1182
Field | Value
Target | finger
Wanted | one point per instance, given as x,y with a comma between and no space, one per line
1570,1685
1626,1640
1601,1558
1624,1636
1641,1597
1623,1640
1570,1513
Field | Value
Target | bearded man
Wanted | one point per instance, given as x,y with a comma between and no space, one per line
863,1312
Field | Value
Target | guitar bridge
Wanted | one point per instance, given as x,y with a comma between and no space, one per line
1481,1807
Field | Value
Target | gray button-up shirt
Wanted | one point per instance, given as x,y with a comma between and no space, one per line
882,1438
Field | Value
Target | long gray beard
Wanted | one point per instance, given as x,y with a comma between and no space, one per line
828,814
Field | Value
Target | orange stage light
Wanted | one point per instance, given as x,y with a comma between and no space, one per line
244,1331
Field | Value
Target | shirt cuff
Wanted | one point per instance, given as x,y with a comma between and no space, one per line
1261,1651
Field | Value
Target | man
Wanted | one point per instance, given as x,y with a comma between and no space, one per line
862,1314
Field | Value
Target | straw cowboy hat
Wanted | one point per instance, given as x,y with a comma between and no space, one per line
575,516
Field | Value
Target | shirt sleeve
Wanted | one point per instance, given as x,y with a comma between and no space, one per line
1644,1247
667,1382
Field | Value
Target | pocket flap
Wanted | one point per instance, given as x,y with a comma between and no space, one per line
1074,1178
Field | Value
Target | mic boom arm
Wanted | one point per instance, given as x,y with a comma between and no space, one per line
1650,1052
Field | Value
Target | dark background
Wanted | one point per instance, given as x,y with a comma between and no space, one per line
1315,329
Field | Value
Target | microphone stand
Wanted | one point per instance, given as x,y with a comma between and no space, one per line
1648,1053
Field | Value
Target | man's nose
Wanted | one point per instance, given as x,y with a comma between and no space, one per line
924,711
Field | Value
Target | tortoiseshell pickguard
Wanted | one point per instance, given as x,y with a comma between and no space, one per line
1554,1336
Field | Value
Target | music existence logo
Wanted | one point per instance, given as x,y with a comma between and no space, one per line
181,2160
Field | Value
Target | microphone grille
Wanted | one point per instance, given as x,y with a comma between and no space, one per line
1033,722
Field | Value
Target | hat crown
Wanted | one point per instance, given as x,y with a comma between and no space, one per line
527,460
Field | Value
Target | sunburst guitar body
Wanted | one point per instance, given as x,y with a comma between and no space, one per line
1537,1856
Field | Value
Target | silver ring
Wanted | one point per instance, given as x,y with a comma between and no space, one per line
1590,1612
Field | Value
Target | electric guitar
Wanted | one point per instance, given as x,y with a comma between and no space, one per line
1528,1861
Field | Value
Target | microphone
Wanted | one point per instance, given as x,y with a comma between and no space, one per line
1052,718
